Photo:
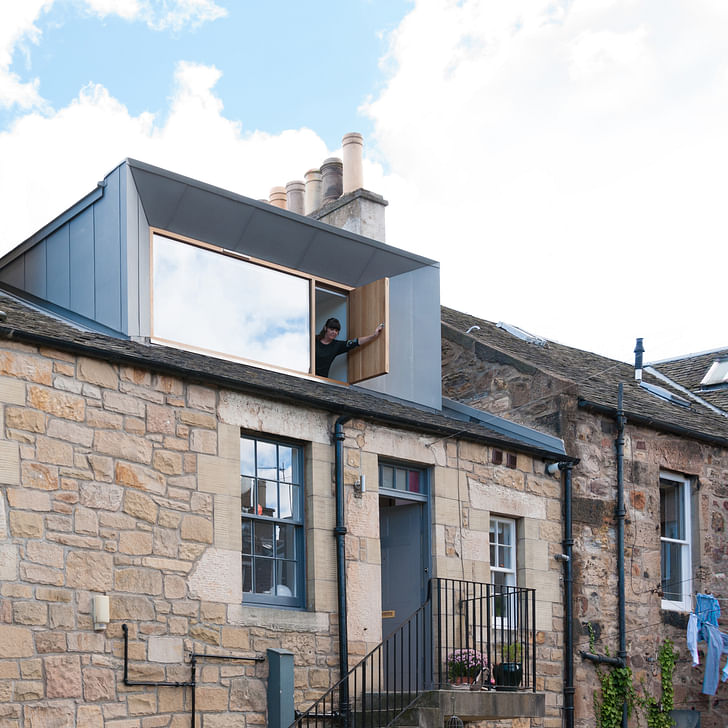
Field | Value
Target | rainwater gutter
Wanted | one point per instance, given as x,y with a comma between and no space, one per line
339,533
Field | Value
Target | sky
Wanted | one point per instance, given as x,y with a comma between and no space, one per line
564,160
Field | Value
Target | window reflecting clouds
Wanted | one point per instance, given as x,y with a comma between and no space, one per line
211,301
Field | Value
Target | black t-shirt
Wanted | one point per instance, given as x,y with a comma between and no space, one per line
326,353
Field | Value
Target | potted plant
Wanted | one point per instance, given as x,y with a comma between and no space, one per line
509,673
464,665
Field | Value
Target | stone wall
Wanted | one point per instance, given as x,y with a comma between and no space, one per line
494,384
121,481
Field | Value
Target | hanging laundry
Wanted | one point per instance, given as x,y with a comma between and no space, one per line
703,627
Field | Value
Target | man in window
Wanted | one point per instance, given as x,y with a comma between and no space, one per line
328,347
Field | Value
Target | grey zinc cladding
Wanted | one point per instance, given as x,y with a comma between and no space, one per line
92,263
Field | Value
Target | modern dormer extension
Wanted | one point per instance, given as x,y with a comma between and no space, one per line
158,257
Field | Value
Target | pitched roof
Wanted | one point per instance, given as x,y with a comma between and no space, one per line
688,371
29,323
596,378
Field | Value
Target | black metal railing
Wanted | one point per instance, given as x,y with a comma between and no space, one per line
485,624
494,625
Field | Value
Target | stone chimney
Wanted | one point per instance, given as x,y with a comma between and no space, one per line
639,350
335,193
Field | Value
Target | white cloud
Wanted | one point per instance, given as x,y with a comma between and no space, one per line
160,14
564,161
50,160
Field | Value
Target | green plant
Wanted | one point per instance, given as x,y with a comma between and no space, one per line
465,663
657,712
512,652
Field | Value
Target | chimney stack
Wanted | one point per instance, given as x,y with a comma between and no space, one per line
313,191
294,196
638,351
352,147
277,197
331,173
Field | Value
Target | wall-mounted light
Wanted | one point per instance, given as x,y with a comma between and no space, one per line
101,611
360,486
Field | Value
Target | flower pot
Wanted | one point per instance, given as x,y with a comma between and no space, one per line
508,675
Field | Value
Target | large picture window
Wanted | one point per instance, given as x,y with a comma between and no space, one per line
271,490
217,302
675,541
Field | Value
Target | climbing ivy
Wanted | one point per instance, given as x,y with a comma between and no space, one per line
657,712
617,691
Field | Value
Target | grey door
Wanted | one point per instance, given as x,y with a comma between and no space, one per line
404,581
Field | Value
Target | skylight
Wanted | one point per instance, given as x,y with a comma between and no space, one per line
717,374
665,394
521,334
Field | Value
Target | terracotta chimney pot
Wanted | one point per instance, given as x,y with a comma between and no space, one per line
352,147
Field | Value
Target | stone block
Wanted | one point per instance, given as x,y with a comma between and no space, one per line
61,404
97,372
165,649
227,522
25,419
15,641
142,704
175,587
199,419
63,676
50,715
98,684
196,528
46,642
212,699
71,432
40,477
204,441
135,542
89,570
40,574
124,446
228,441
138,581
26,525
9,463
52,451
236,638
141,506
12,391
218,475
124,404
102,496
89,716
137,476
202,398
124,607
32,613
8,562
102,467
217,576
44,553
28,500
167,462
61,616
101,419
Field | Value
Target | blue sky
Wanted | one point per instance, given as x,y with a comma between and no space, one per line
564,160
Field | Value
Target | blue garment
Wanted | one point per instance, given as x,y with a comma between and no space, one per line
717,645
707,609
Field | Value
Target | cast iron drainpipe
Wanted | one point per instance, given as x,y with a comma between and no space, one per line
621,420
569,690
339,533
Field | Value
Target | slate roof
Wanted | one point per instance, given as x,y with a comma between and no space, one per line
29,323
596,378
688,371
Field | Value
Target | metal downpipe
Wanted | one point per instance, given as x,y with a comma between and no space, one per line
339,533
568,544
621,513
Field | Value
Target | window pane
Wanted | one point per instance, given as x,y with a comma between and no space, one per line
289,507
287,578
672,575
214,302
247,574
400,479
672,515
247,456
387,476
267,461
247,528
263,576
504,533
263,538
414,481
246,494
285,463
285,542
267,498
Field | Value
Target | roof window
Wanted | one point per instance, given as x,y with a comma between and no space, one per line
665,394
717,374
521,334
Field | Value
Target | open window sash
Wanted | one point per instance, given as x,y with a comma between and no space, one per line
369,307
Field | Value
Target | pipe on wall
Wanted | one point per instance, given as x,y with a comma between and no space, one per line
568,544
621,513
339,533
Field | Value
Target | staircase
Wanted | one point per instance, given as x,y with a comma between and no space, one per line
404,681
